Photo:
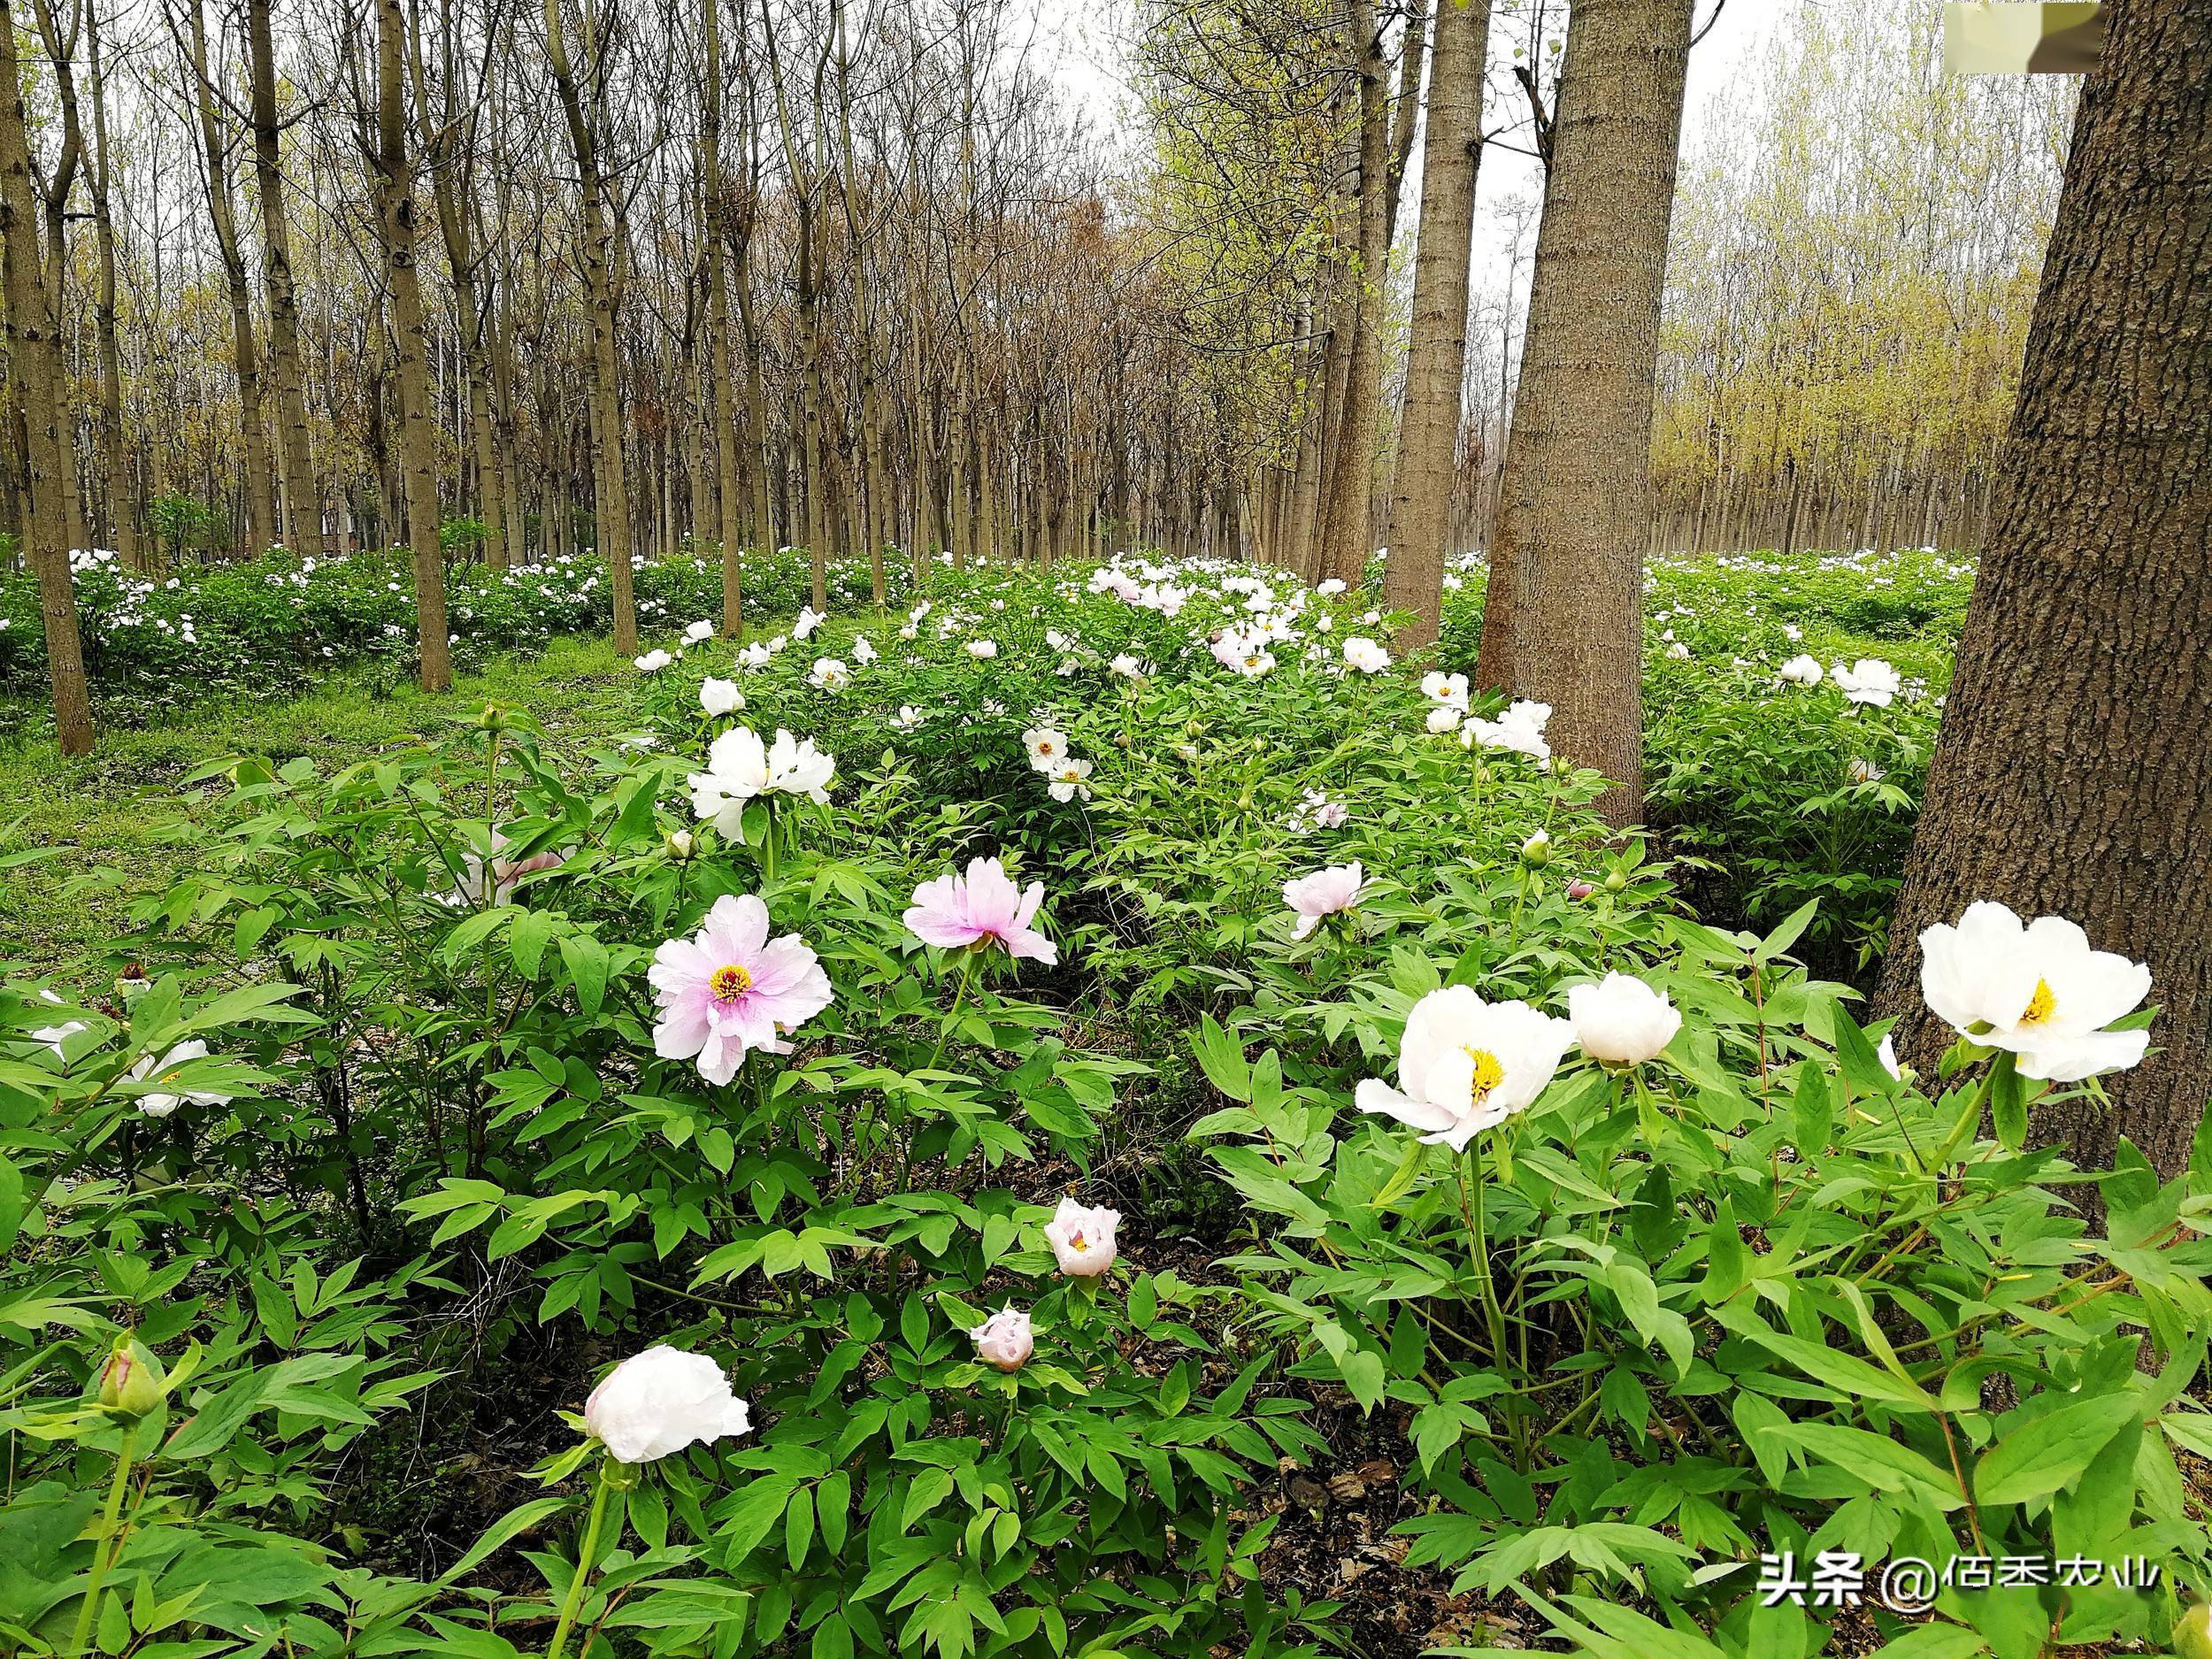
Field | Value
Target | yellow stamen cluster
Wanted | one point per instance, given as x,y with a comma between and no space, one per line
1488,1074
730,982
2041,1006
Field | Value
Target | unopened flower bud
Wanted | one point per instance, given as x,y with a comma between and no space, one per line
1578,889
1536,850
130,1383
679,844
1615,882
495,716
2192,1632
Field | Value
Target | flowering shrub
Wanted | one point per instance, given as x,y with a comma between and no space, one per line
267,627
907,1156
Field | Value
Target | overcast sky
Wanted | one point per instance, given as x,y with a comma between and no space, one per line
1080,43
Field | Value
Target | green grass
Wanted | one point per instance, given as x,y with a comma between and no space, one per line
111,811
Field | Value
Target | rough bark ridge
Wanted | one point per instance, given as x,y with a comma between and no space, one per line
1436,358
2073,775
1566,564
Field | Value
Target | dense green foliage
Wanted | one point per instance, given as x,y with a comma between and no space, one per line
1758,1294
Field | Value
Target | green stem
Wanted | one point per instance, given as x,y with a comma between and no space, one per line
1971,1118
107,1545
584,1558
944,1032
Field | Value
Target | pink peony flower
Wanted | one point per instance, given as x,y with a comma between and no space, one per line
954,912
1004,1340
1323,893
1082,1238
729,989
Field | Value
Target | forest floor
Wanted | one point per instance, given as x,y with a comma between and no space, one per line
119,813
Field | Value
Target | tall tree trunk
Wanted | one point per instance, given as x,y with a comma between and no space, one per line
418,433
1436,358
35,356
1566,575
712,233
610,479
259,482
2073,776
1346,524
119,476
303,496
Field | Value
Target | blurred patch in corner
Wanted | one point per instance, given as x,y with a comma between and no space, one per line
2021,37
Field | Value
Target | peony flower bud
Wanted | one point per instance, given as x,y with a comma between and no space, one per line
679,844
1621,1020
1082,1238
1536,850
1004,1340
1615,882
2192,1632
130,1382
660,1401
1578,889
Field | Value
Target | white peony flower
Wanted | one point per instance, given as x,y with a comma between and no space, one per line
797,767
829,674
1365,654
721,696
698,633
1047,746
864,653
1127,666
659,1401
1870,680
908,718
652,662
983,651
1444,718
1082,1238
1449,689
166,1070
1466,1065
1069,779
1621,1020
2038,990
740,766
808,620
1802,671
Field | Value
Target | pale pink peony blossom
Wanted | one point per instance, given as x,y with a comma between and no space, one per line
1323,893
729,989
1082,1238
1004,1340
957,912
